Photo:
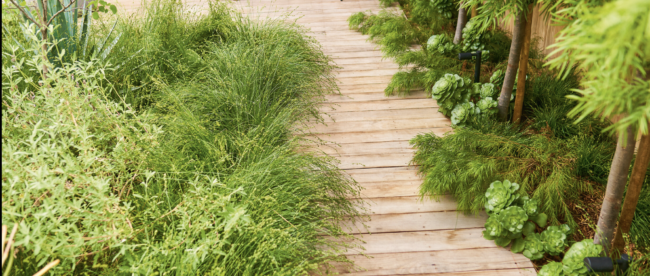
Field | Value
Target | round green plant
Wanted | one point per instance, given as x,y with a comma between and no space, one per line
500,195
462,112
551,269
534,247
573,262
513,219
554,238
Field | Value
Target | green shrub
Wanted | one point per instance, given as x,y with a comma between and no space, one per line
204,177
464,164
68,156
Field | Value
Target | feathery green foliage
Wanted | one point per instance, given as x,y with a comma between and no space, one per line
466,162
204,177
615,64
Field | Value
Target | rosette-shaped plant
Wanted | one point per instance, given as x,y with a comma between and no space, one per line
551,269
534,247
531,207
513,219
573,262
462,112
450,90
554,239
441,43
487,90
493,228
497,77
445,7
500,195
474,39
487,106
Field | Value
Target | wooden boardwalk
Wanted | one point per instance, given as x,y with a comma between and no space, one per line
407,237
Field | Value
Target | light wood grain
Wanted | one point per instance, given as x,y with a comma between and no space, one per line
444,261
378,105
407,222
421,241
377,136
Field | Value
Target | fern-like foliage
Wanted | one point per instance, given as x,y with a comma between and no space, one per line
464,164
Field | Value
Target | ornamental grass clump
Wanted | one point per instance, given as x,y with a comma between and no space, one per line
201,176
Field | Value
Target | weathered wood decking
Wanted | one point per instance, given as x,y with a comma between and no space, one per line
408,237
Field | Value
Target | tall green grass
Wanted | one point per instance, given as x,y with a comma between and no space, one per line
219,188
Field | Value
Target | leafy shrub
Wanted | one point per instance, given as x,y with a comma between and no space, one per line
573,261
474,39
449,91
205,178
463,112
465,163
534,247
446,8
68,155
443,44
554,238
500,195
551,269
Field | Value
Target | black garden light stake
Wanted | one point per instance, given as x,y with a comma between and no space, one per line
605,264
477,66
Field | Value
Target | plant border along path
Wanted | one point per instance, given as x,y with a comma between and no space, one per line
369,133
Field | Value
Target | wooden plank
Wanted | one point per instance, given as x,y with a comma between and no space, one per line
367,73
435,262
399,114
445,220
378,105
367,66
363,148
362,88
344,54
421,241
377,136
342,61
374,160
376,96
384,174
374,125
407,204
390,188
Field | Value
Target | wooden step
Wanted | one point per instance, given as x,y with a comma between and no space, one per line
407,222
407,204
422,241
475,261
377,136
378,105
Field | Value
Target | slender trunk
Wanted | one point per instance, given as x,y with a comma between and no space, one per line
523,66
513,64
474,11
460,24
614,193
44,37
633,192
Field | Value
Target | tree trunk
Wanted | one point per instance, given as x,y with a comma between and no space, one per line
460,24
523,66
474,11
614,193
633,192
513,64
44,37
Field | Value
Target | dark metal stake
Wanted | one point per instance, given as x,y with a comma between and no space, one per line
477,64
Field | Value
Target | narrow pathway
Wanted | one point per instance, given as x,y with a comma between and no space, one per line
408,237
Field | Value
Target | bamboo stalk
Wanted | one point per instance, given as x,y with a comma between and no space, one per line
47,268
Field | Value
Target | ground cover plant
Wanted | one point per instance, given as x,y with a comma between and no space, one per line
422,44
176,155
